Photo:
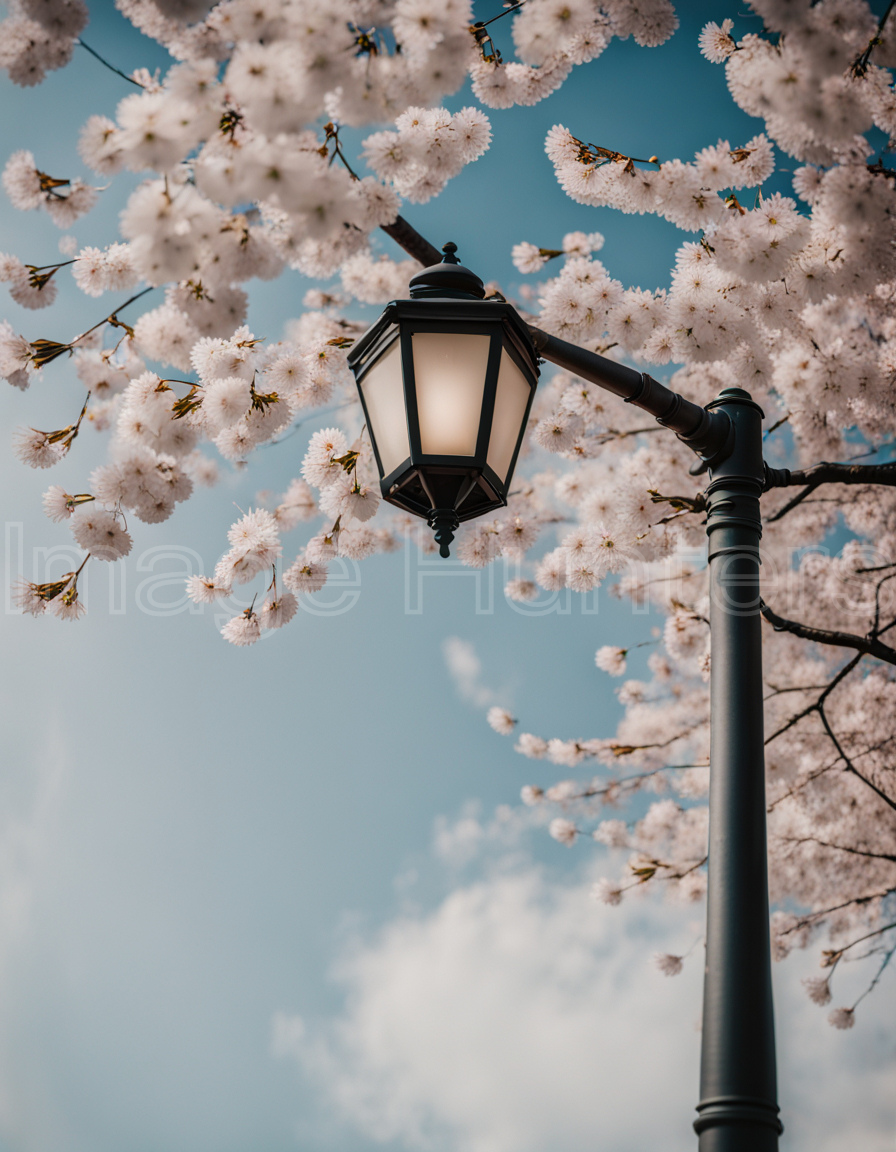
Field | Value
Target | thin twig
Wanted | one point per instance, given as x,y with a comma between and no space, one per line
775,426
511,8
859,66
791,504
112,318
869,936
106,64
850,767
888,956
813,776
318,415
798,688
838,847
814,706
804,921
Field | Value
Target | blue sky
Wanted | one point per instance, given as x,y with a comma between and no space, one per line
216,862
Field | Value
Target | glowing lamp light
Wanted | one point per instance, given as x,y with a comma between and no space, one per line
446,380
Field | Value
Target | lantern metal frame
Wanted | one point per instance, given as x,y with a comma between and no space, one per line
447,489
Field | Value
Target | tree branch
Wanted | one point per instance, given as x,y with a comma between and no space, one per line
798,688
812,776
868,936
791,504
404,234
816,704
868,646
825,473
680,503
850,767
812,916
628,749
106,64
613,434
634,780
859,66
839,847
888,956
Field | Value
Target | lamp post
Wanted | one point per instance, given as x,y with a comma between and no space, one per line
446,380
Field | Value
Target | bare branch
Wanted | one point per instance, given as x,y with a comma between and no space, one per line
859,66
614,434
106,64
869,936
867,645
815,705
775,426
633,780
629,749
812,776
825,473
838,847
680,503
791,504
888,956
804,783
850,767
798,688
812,916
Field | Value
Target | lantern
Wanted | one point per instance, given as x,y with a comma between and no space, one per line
446,381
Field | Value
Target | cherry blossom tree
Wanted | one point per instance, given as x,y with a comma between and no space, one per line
791,297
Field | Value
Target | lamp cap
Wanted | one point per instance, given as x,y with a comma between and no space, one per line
449,279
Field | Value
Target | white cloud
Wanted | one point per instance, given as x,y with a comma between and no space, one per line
519,1016
465,669
458,841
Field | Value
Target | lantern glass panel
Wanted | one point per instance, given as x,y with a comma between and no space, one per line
384,398
510,410
449,373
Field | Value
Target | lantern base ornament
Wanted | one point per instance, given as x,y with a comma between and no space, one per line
444,521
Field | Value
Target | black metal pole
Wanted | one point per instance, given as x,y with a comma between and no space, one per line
738,1097
738,1110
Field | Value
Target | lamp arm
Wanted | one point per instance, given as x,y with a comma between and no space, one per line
708,433
406,236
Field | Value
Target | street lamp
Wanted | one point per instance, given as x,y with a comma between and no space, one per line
446,381
446,416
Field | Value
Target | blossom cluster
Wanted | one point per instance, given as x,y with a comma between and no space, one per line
28,188
553,36
429,146
38,36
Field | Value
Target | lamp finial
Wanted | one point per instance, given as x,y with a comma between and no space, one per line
444,521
